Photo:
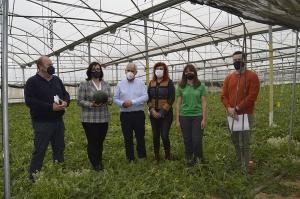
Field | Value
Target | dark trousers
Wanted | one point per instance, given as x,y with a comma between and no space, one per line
95,134
241,142
45,132
161,128
192,136
133,121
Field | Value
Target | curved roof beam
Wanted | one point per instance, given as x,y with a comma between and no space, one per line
12,58
49,30
90,8
125,41
40,41
173,33
66,43
46,28
14,46
18,57
115,49
32,36
62,56
159,22
136,6
44,43
181,9
58,15
86,53
66,52
103,51
134,31
127,20
53,33
127,57
25,44
112,46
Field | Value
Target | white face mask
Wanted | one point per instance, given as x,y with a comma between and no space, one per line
159,73
129,75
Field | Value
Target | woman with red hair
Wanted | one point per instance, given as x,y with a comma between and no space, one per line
161,92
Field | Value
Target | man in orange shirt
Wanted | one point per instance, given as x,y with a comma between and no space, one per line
239,93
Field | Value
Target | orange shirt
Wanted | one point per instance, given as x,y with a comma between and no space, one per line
247,91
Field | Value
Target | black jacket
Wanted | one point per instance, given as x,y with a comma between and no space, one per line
39,97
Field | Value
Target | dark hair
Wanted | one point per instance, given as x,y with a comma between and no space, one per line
166,73
90,68
240,53
196,81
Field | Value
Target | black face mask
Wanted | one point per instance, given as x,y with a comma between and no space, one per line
238,65
190,76
97,74
51,70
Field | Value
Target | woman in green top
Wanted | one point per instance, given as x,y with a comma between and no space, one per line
191,113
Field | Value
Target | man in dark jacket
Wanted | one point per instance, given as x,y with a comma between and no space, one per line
47,99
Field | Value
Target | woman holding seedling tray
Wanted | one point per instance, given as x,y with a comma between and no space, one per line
93,96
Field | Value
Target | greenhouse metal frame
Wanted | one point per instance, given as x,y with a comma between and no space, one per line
74,33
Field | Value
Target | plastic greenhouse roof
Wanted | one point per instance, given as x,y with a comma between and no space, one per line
177,32
279,12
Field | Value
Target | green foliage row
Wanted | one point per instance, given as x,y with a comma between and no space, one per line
220,177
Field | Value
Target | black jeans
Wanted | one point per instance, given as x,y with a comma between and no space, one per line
95,134
161,128
45,132
192,136
133,121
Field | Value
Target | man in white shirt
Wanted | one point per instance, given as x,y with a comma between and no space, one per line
130,96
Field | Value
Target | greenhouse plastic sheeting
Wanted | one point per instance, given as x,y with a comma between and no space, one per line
274,12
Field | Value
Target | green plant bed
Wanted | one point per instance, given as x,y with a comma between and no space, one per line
219,177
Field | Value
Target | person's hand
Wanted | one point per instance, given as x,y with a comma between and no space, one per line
110,102
94,104
63,103
156,114
231,112
236,116
127,103
203,123
58,107
178,125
